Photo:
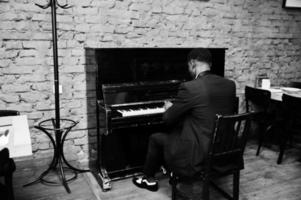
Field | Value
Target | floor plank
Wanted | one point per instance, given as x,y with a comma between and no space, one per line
261,179
28,171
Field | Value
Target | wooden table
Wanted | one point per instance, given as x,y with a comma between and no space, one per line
277,92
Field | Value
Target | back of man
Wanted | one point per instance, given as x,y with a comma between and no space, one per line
192,119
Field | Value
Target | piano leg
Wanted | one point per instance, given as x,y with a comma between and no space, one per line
104,178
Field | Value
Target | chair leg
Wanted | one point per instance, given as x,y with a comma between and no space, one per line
173,182
263,130
236,176
281,151
9,184
206,189
260,141
173,191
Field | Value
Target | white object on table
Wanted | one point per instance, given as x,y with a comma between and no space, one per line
15,136
265,83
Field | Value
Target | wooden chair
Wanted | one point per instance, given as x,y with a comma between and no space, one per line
236,105
225,155
292,121
7,165
259,100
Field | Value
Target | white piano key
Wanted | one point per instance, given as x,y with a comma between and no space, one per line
140,111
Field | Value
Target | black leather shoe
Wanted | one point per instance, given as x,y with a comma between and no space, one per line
142,182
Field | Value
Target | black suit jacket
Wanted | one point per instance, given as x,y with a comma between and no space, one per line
191,120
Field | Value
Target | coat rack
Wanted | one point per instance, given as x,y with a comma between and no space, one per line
53,4
54,124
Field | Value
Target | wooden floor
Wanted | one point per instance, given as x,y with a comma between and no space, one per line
262,179
82,188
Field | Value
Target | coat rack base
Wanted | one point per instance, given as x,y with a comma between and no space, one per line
59,164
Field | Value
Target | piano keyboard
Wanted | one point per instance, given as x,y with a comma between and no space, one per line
142,111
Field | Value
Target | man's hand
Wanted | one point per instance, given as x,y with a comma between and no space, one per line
167,104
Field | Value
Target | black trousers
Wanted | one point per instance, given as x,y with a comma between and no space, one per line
155,153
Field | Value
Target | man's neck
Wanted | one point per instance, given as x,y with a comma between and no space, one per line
200,73
197,75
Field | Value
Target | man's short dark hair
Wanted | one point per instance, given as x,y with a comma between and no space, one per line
200,54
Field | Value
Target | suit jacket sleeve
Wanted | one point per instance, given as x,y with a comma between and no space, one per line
181,105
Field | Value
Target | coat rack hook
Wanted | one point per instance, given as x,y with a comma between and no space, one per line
65,6
44,6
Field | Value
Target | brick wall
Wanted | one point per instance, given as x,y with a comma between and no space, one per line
260,35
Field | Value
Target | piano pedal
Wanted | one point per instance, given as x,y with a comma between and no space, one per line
105,180
105,183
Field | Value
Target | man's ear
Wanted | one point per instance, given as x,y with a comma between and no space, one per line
189,63
193,64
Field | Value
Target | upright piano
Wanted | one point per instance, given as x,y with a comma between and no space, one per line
132,85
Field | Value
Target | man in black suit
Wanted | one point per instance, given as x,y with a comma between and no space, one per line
191,120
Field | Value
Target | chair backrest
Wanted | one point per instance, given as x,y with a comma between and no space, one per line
236,105
295,84
257,99
229,137
292,112
5,113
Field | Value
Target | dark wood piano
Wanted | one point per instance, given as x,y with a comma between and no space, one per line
132,85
